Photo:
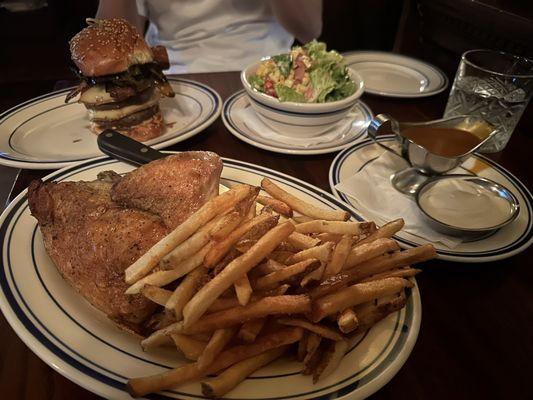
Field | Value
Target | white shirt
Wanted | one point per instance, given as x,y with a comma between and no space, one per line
213,35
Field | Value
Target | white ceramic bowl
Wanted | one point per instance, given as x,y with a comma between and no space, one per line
299,119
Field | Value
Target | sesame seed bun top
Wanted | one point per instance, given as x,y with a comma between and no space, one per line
108,46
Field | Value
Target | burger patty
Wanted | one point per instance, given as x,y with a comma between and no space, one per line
136,98
129,120
120,93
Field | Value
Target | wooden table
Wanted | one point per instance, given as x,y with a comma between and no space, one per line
475,340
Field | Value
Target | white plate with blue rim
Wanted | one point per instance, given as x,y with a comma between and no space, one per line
395,75
80,343
47,133
352,132
505,242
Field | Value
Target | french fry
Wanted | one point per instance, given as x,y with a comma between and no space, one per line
220,249
250,329
232,255
301,241
312,344
330,237
189,247
339,256
243,289
158,278
302,347
138,387
270,280
369,313
313,276
331,356
268,267
244,245
320,330
386,231
277,205
161,336
225,303
227,380
347,321
299,205
286,304
156,294
356,294
374,266
184,292
191,348
321,252
364,252
300,219
238,267
207,212
216,344
224,226
336,227
399,273
280,256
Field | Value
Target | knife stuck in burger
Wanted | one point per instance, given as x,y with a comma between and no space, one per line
121,79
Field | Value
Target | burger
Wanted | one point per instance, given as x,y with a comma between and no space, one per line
121,79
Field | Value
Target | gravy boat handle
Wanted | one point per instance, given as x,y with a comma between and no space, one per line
377,123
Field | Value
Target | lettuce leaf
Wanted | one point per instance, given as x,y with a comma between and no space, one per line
323,83
283,62
256,82
342,91
285,93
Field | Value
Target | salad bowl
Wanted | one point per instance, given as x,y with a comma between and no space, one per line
299,119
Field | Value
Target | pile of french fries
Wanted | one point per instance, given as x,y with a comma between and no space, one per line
259,275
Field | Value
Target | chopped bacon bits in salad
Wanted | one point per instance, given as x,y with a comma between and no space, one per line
308,74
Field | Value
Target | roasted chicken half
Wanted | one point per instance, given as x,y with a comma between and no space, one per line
94,230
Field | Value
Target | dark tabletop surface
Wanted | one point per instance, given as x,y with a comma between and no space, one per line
475,340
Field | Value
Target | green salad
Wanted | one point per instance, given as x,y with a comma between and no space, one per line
308,74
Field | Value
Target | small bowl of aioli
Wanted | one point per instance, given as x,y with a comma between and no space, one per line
466,205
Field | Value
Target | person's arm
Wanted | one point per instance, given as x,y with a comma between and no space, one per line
301,18
126,9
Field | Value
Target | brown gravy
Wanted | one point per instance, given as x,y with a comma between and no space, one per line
446,142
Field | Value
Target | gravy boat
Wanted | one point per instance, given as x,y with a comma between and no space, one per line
423,163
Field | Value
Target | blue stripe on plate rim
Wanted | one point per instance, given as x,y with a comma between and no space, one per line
211,94
113,380
230,102
525,239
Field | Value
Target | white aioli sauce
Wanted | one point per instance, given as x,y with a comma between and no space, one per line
464,204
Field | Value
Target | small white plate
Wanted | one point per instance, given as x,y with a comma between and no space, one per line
506,242
357,131
394,75
79,342
47,133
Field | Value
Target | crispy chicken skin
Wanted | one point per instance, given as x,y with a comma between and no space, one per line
170,188
92,238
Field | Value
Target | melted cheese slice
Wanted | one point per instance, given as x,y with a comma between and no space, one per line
111,115
96,95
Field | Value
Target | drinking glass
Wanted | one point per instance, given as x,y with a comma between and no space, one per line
495,86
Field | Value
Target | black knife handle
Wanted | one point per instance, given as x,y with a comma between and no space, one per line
126,149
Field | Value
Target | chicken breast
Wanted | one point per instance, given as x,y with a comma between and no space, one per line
93,231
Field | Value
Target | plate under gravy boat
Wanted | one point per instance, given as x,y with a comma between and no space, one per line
395,75
79,342
360,114
503,243
47,133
